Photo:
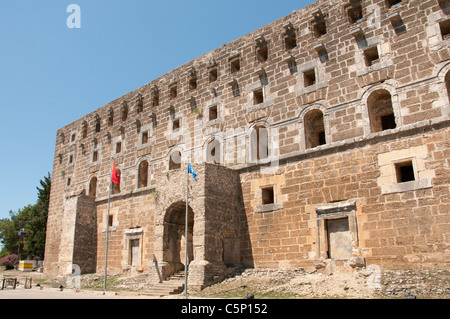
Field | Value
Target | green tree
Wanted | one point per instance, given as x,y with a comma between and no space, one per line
34,219
8,234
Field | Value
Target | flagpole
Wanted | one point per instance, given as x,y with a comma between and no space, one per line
186,230
107,229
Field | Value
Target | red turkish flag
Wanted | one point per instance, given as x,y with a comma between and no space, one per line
115,177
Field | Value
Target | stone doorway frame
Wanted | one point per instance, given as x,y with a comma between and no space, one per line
332,211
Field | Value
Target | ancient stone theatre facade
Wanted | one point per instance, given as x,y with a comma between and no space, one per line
319,140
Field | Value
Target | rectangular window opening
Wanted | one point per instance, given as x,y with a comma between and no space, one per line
291,41
173,92
393,3
445,29
155,99
258,97
355,14
213,75
193,84
110,221
267,195
405,172
320,29
309,77
322,139
235,65
371,56
118,147
95,156
388,122
176,125
262,53
144,138
213,113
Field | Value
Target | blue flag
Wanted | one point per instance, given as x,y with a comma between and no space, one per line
191,171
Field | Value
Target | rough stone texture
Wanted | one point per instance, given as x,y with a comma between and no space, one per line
320,105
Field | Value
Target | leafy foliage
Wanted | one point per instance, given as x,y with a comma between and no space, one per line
9,261
34,219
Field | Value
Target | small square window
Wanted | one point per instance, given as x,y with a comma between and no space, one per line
290,41
258,97
371,56
320,29
445,29
176,125
213,113
267,195
392,3
309,77
388,122
193,83
405,172
262,53
235,65
355,14
213,75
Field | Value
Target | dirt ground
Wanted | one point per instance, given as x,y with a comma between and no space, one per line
275,283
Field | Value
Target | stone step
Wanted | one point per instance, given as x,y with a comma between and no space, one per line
174,285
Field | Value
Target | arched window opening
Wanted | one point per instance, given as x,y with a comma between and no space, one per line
93,187
143,174
175,160
381,113
314,129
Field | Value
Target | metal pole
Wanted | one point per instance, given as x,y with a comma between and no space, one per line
107,229
186,231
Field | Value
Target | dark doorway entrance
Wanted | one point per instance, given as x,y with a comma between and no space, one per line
174,236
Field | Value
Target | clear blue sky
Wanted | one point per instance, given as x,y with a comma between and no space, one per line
51,75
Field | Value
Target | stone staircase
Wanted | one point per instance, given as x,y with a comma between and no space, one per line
174,285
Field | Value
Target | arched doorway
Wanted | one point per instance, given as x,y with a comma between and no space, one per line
174,236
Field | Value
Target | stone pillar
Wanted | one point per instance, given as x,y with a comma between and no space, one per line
78,235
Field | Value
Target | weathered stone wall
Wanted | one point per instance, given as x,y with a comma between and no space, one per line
404,228
321,101
85,237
